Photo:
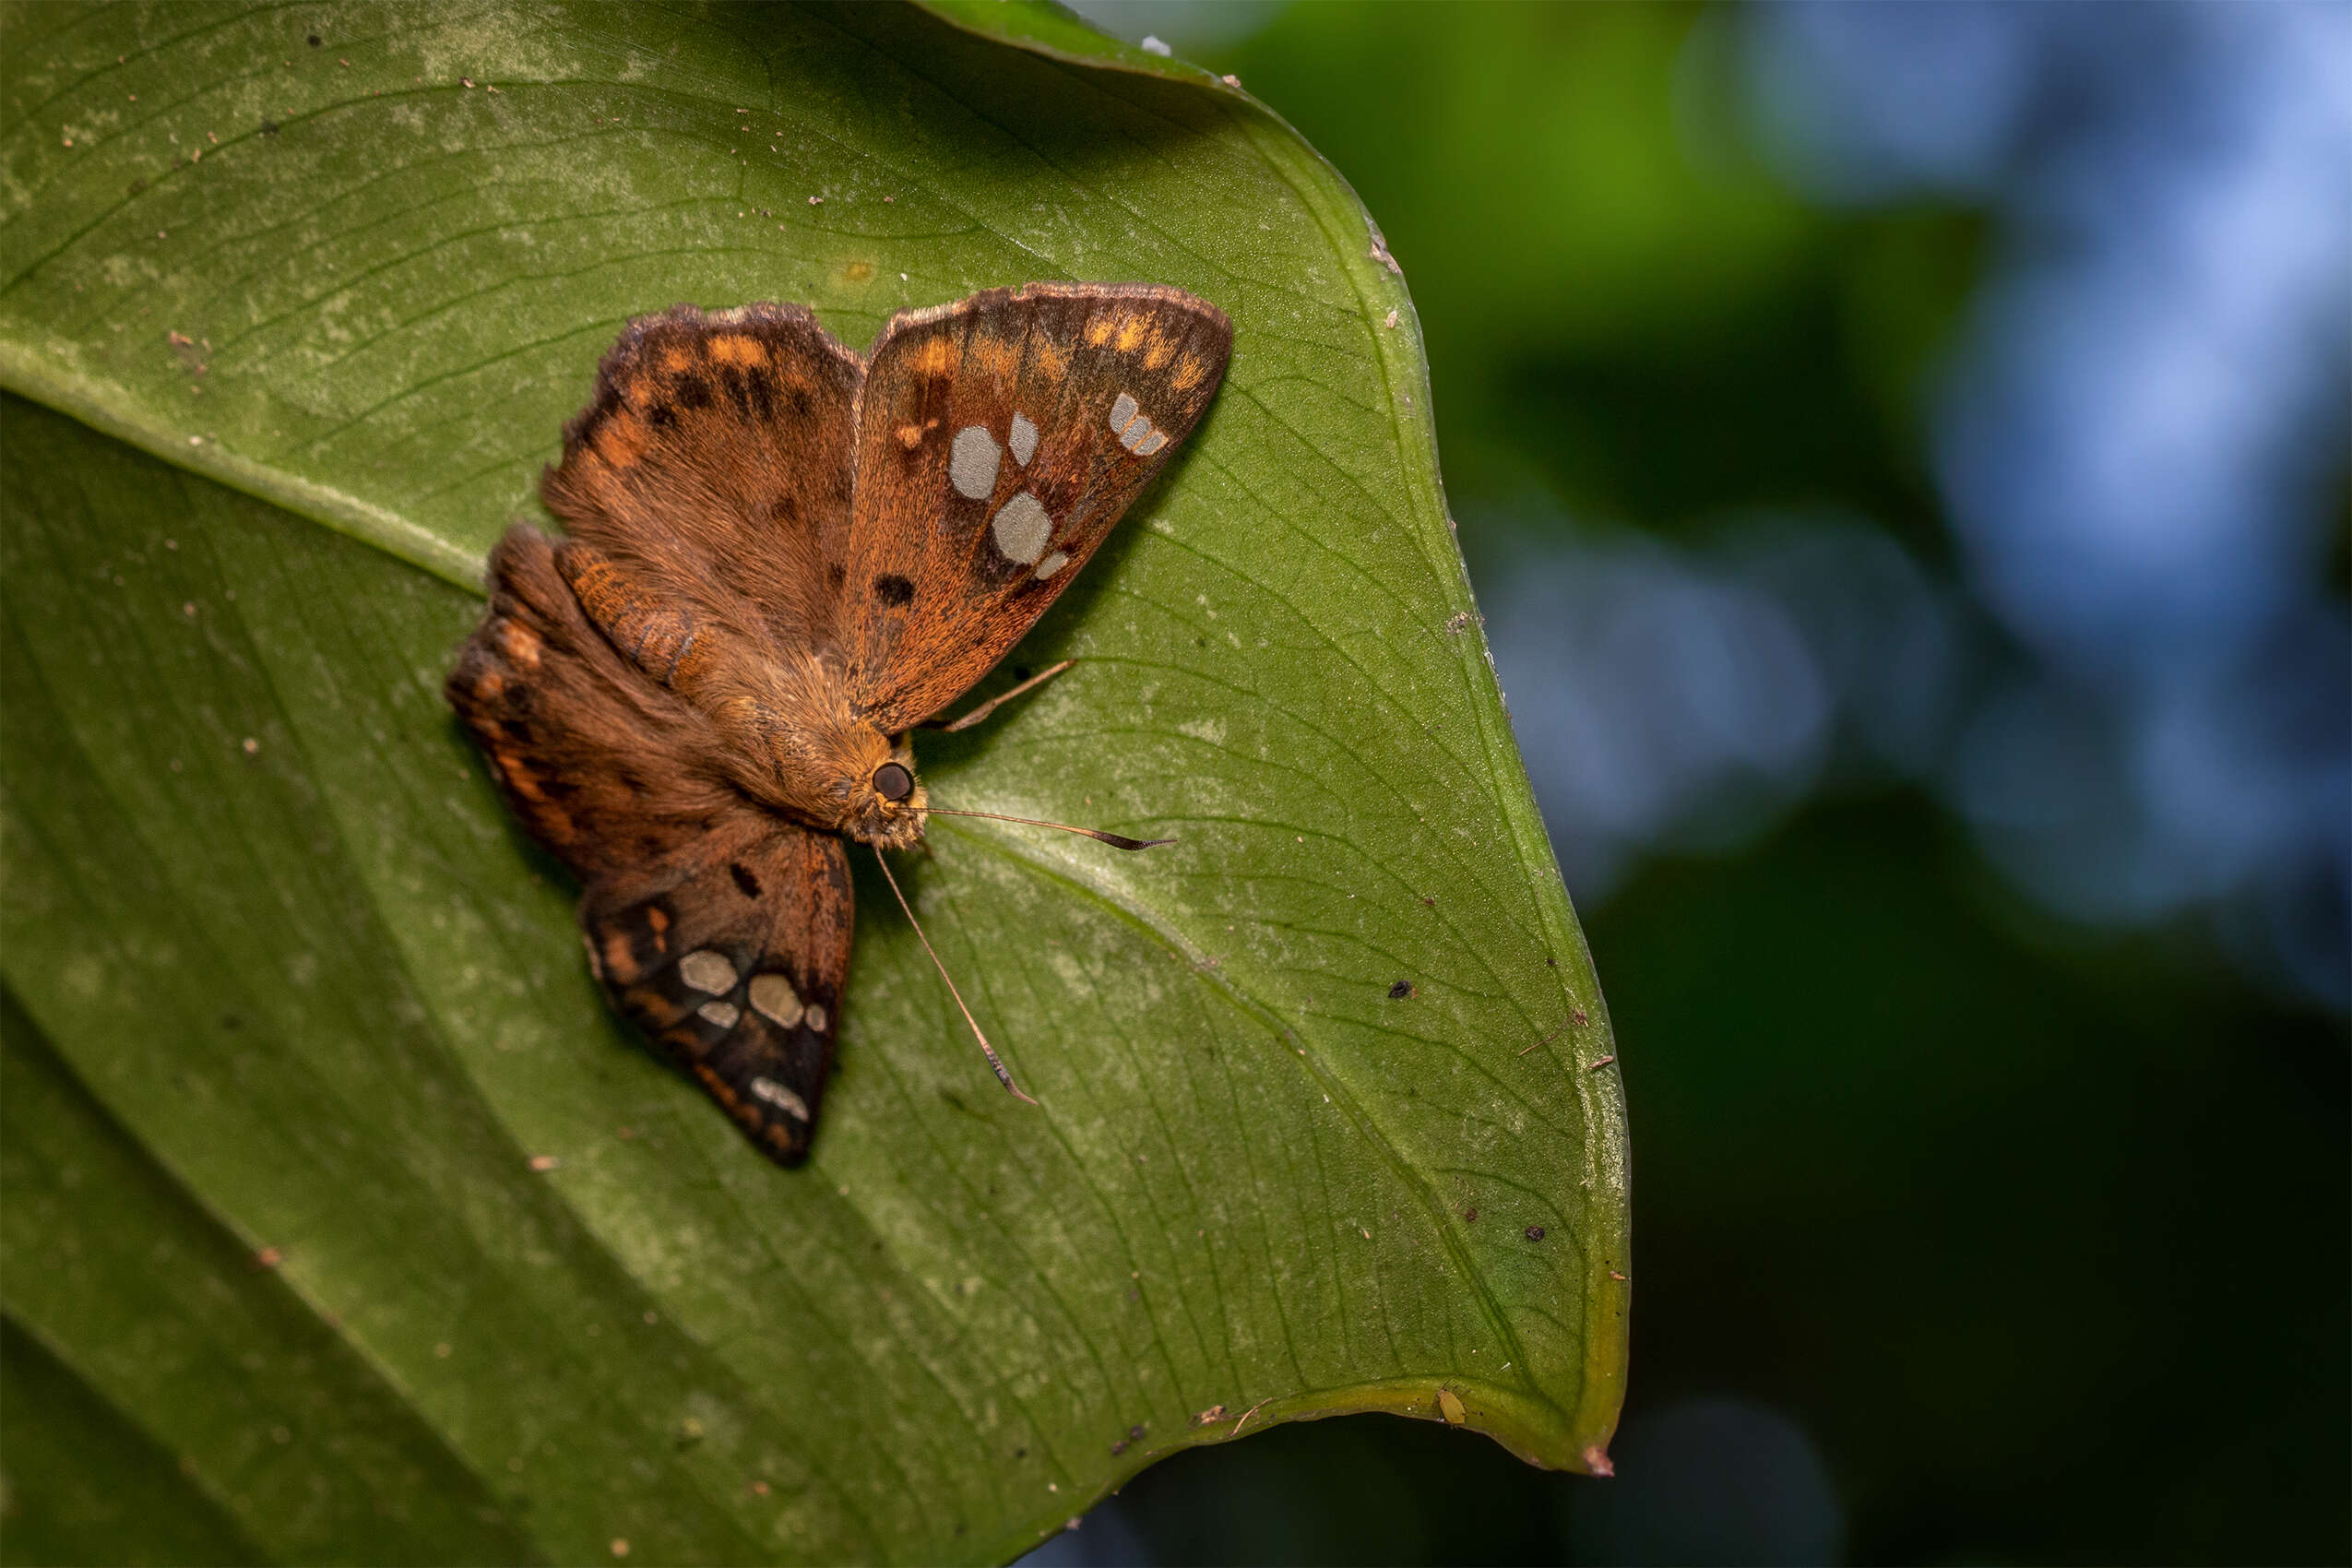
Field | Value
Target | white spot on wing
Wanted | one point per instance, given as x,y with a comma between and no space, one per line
774,999
1022,527
723,1013
972,463
776,1095
1123,412
1023,438
707,971
1151,443
1052,564
816,1017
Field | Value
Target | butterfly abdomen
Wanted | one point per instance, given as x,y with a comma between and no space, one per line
658,639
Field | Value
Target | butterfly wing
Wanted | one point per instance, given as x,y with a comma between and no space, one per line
713,465
998,440
733,957
719,930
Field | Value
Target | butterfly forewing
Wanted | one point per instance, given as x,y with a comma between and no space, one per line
732,957
998,440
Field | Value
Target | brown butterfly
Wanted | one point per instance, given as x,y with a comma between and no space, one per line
781,559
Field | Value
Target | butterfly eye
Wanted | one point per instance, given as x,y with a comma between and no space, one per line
893,782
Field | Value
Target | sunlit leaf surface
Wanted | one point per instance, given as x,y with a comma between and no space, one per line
336,1207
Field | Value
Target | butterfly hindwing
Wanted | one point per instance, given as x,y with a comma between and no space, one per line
998,440
733,957
719,929
605,771
714,464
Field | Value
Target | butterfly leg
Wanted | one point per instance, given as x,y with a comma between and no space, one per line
993,703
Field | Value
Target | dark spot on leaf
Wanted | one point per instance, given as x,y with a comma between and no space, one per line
1134,1434
269,127
893,590
1471,1214
230,1021
1118,1448
1535,1232
313,41
1401,990
1017,1453
744,880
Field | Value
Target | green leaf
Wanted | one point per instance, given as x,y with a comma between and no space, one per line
294,1012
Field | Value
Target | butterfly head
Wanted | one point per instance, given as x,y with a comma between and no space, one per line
888,805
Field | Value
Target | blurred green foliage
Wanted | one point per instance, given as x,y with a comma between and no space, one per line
2041,1239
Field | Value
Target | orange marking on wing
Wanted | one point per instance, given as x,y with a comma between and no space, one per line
911,436
659,918
1048,359
490,685
620,440
720,1090
518,643
677,361
1131,334
653,1004
1100,329
1157,352
1188,373
620,959
936,357
735,348
517,776
991,356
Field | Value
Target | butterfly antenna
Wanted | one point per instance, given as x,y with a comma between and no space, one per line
1116,840
1002,1075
